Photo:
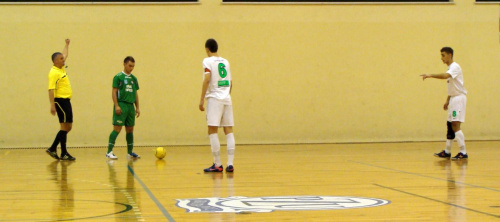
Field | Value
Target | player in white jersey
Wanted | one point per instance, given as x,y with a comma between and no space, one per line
455,104
216,89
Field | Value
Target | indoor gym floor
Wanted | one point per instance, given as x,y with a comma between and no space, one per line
415,185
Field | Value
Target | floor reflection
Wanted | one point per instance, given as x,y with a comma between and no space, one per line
219,186
455,175
160,164
126,195
65,207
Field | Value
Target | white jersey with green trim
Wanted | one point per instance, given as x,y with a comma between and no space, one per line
220,81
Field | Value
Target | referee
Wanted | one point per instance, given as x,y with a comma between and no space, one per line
59,97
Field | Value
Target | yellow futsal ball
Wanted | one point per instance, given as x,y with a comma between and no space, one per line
160,152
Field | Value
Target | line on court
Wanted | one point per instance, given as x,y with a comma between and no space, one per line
421,175
439,201
158,204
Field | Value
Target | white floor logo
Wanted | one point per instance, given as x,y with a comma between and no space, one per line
269,204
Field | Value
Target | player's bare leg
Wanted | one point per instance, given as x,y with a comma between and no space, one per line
455,126
228,129
66,126
129,129
212,129
118,129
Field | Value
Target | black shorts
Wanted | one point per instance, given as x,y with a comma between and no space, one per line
64,110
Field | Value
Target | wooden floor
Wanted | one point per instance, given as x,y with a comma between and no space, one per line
417,186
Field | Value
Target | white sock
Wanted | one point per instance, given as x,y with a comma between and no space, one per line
215,145
447,149
231,145
461,141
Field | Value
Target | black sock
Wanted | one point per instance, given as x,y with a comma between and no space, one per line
62,138
53,148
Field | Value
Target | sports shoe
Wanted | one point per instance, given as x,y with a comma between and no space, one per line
111,156
443,154
66,156
460,156
214,168
230,169
53,154
133,155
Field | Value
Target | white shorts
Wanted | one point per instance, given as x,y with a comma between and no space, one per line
219,113
456,108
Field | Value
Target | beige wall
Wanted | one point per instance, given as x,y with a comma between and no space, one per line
301,73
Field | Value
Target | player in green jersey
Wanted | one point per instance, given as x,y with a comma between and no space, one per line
124,96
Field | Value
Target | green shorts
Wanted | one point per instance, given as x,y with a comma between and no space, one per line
127,117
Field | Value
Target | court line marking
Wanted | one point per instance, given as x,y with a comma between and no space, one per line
439,201
158,204
421,175
128,207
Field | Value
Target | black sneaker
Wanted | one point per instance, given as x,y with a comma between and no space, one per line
66,156
443,154
214,168
230,169
460,156
53,154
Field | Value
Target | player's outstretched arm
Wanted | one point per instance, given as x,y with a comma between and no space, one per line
65,50
436,76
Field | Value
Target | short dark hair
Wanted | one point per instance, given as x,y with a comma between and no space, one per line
211,45
129,58
54,55
448,50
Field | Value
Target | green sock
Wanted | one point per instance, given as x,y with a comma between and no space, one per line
112,139
130,142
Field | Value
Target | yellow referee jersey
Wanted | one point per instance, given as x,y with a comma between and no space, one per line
59,82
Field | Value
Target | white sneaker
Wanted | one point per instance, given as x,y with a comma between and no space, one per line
111,155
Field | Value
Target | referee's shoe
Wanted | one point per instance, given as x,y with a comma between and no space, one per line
66,156
53,154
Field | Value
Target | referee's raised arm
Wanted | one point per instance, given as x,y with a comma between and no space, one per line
65,50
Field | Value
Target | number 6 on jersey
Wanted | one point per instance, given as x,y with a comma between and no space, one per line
222,70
